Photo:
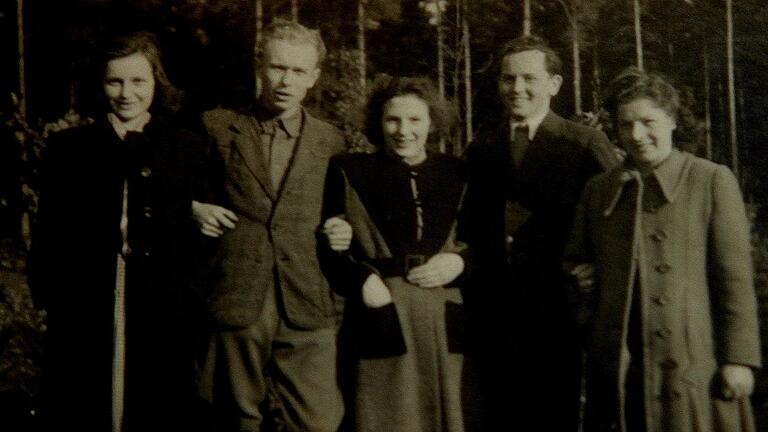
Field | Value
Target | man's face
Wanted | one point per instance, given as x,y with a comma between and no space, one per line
287,71
525,85
129,86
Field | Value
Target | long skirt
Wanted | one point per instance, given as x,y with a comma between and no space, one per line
432,386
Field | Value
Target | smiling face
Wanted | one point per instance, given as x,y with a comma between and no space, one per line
525,85
405,124
129,86
287,71
645,132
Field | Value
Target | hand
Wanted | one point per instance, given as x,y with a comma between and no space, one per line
737,381
440,270
375,292
585,277
338,232
212,219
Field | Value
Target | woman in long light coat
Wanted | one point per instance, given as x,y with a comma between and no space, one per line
661,254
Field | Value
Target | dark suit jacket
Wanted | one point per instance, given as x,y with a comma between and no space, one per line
275,241
542,193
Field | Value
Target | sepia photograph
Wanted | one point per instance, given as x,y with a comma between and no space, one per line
383,215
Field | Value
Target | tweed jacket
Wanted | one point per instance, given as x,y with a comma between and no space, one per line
681,237
274,244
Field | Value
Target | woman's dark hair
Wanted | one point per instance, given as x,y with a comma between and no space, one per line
167,97
385,88
633,83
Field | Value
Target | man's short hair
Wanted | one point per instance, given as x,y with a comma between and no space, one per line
294,33
552,61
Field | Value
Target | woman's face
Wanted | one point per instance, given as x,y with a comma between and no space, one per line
129,86
405,124
645,132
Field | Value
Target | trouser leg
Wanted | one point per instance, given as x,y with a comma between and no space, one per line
303,373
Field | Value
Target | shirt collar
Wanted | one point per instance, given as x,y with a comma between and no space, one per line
290,123
532,122
668,175
133,125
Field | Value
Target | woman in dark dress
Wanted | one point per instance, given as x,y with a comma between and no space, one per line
109,257
404,309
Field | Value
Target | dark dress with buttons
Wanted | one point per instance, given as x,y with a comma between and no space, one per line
674,298
72,274
411,369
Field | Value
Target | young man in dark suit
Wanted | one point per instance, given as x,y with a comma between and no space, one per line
273,314
526,177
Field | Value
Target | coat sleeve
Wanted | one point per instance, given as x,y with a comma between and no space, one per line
579,250
345,271
731,280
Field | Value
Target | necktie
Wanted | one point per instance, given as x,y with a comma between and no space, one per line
519,144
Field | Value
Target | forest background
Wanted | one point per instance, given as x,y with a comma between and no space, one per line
715,51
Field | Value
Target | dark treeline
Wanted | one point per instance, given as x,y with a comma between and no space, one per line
209,46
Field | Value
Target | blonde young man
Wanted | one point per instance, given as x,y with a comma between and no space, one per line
273,313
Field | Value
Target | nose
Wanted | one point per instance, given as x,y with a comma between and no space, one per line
403,128
288,77
125,89
638,131
518,85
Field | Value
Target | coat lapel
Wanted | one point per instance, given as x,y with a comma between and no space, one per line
308,155
247,142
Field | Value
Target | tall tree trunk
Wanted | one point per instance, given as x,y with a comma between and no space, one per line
258,24
526,17
440,60
707,108
467,80
638,35
21,54
576,70
596,84
295,10
576,54
731,87
361,43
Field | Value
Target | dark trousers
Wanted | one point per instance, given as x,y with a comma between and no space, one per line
531,353
269,362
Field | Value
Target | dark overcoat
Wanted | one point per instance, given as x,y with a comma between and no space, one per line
272,246
73,265
681,237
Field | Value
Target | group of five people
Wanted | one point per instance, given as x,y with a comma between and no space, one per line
396,290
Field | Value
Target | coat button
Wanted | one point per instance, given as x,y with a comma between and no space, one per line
658,236
663,332
146,172
661,300
669,364
663,268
